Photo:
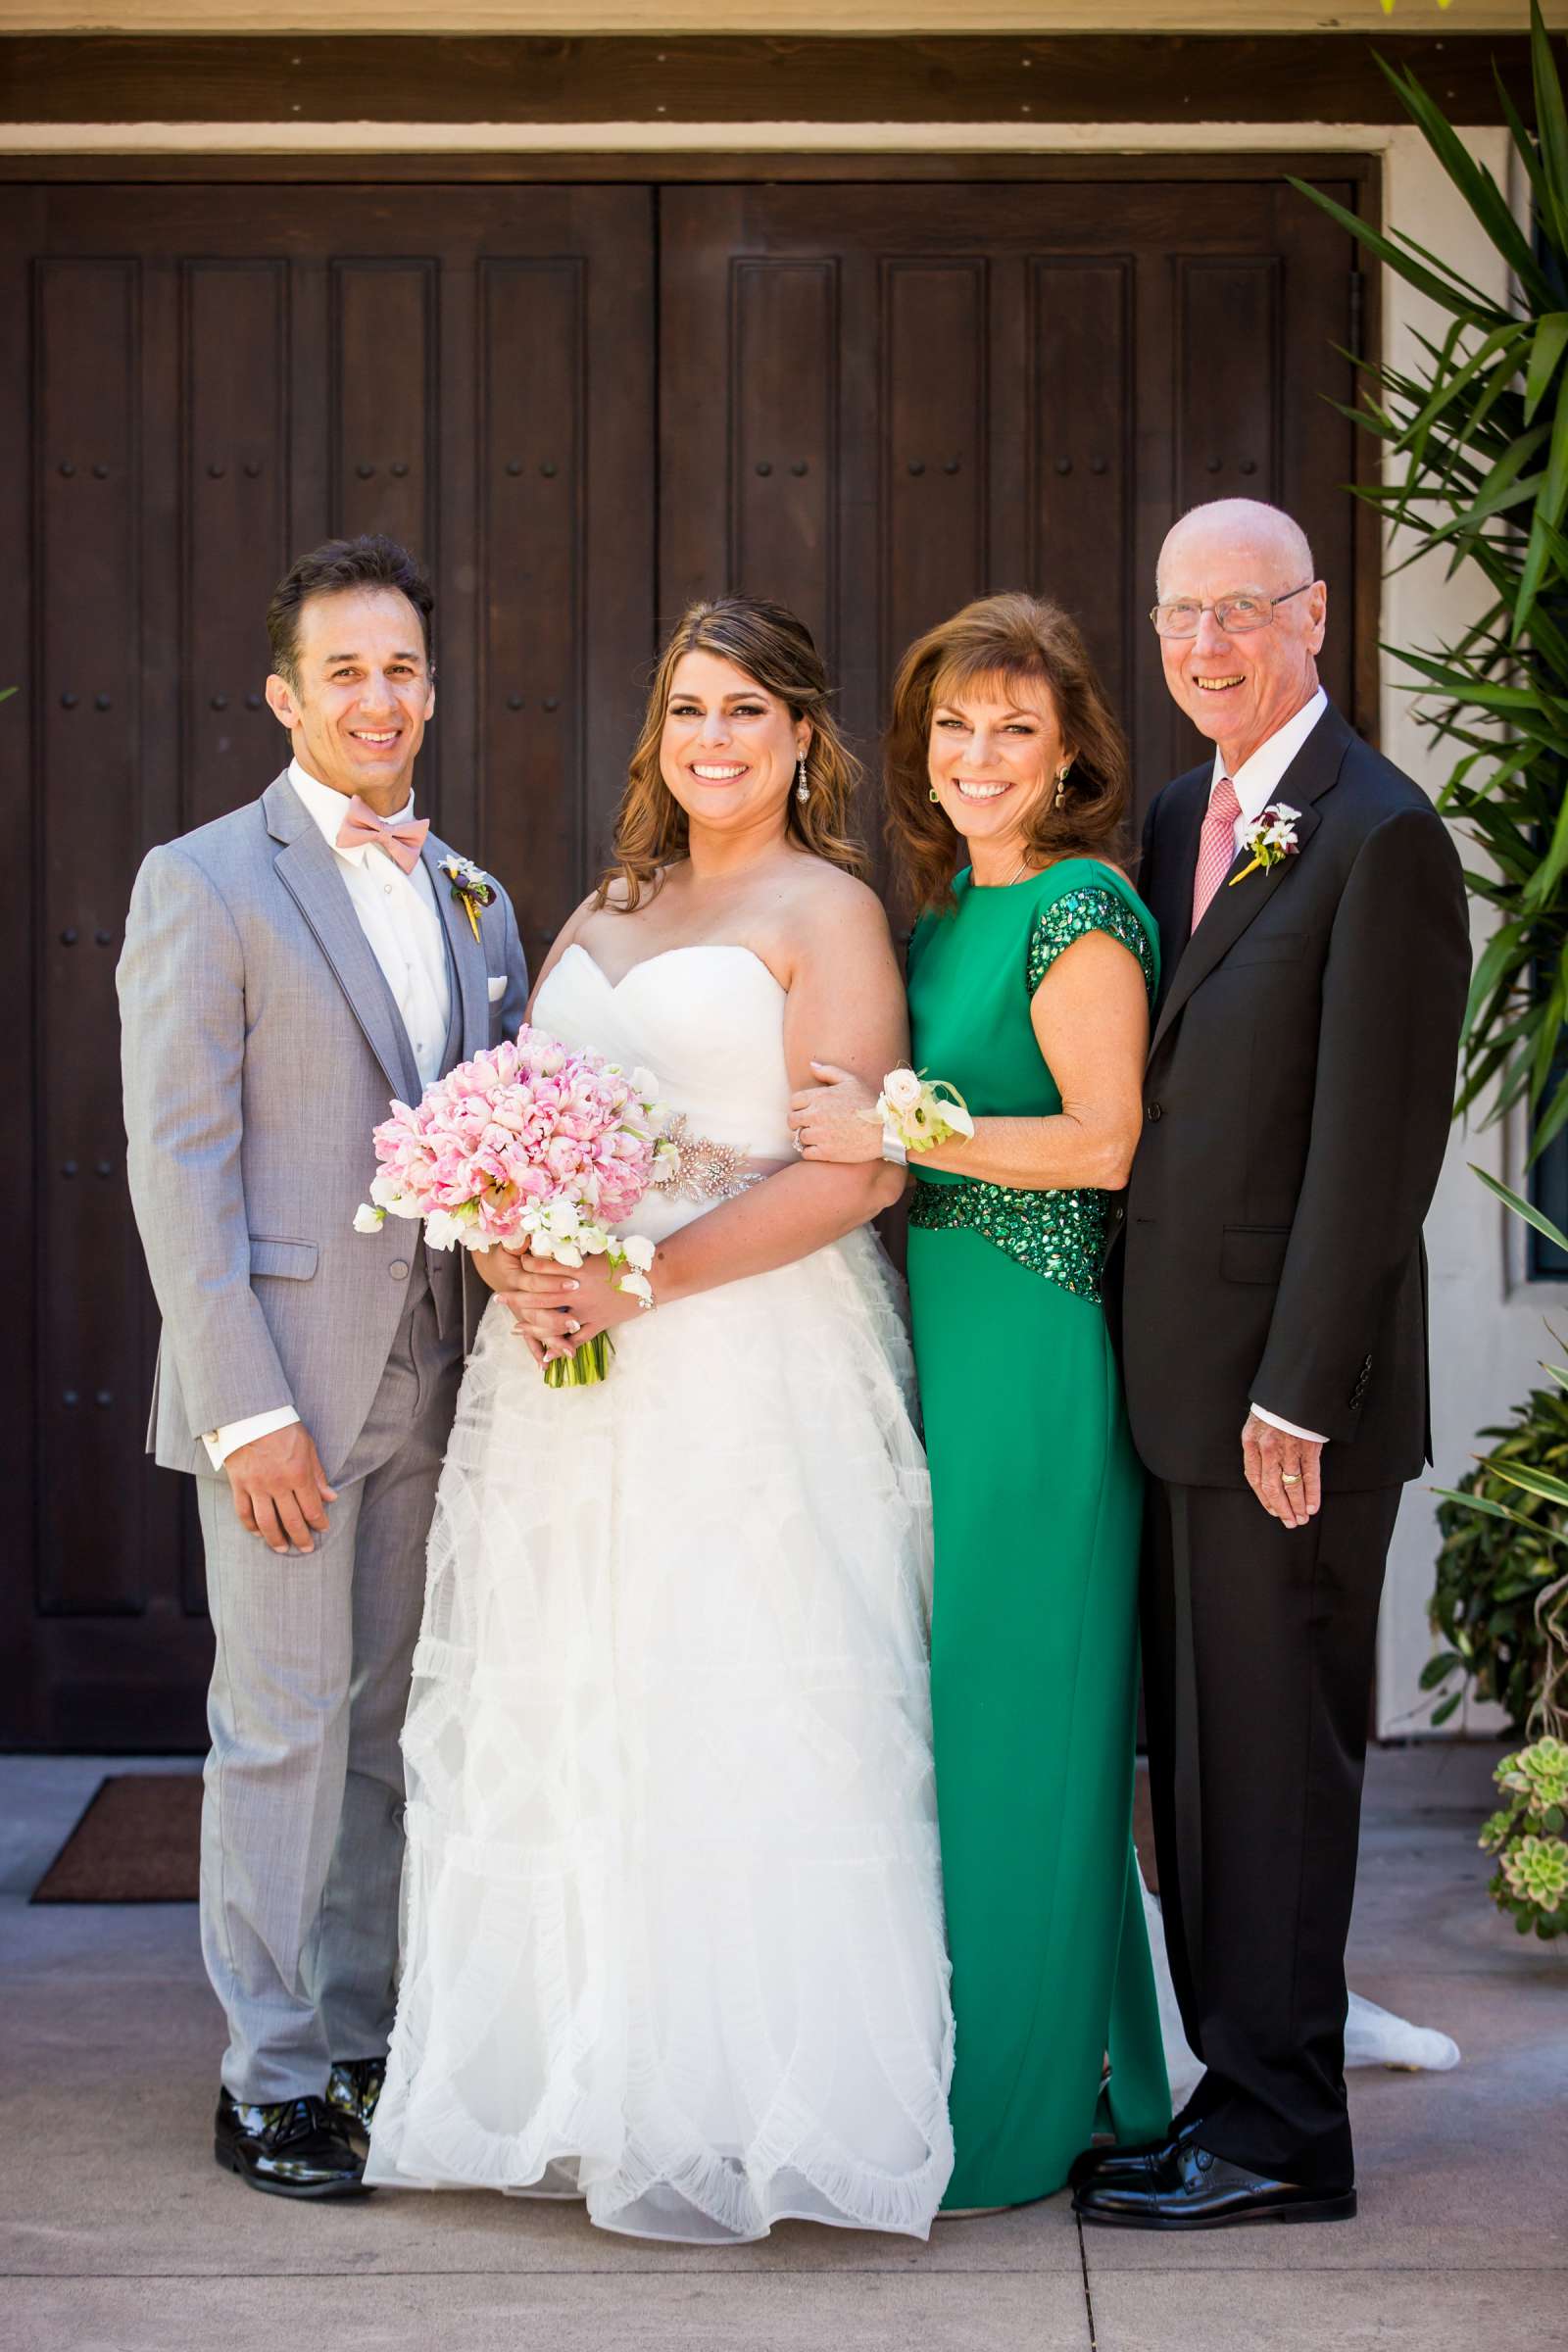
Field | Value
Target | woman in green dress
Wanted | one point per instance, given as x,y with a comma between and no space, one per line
1030,977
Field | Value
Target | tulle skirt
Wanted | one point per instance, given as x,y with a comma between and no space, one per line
672,1915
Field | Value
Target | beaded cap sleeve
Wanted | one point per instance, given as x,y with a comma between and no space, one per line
1076,914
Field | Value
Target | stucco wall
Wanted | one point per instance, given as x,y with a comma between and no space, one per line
1486,1321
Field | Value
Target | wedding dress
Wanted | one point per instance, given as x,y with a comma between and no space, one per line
672,1934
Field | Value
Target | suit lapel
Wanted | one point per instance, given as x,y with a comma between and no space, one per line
468,953
1313,771
308,872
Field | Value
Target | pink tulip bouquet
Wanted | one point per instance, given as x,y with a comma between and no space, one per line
533,1147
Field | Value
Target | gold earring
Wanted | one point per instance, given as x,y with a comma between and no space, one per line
1062,773
932,793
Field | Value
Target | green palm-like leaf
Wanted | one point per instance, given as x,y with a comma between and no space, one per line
1523,1209
1473,430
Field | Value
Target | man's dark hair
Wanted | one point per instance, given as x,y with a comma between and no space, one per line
370,562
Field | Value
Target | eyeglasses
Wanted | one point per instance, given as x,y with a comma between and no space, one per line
1236,614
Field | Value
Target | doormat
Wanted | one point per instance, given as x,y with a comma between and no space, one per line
139,1841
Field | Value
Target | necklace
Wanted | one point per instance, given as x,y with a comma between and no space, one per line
1017,877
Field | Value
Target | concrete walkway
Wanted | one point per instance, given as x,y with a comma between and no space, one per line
118,2233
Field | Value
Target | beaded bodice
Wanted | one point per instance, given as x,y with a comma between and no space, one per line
972,974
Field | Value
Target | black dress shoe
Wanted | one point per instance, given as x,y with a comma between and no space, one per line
1191,2188
352,2089
293,2148
1135,2162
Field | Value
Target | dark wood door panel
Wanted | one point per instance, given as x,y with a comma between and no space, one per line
233,403
87,681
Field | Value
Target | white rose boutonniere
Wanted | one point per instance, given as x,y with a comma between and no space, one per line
1271,839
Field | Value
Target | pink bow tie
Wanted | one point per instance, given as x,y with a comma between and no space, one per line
363,829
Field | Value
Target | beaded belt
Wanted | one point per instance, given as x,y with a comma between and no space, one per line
704,1170
1061,1236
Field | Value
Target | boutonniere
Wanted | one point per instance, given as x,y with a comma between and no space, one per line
1271,839
472,887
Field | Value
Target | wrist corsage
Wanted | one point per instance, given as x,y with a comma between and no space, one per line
919,1113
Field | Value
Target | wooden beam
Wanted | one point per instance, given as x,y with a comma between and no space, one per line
888,17
512,168
1113,77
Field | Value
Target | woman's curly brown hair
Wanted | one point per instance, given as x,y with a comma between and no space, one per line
1019,639
778,653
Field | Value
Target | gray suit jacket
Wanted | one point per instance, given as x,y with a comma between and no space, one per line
261,1045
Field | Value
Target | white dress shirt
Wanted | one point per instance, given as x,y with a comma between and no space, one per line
402,925
1256,782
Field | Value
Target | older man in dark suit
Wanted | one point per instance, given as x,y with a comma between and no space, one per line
1317,957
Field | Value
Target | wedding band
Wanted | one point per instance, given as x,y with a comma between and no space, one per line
1289,1478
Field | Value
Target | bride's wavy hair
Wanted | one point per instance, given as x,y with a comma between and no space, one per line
1017,639
778,654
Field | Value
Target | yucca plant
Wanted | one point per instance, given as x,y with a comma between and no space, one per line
1477,466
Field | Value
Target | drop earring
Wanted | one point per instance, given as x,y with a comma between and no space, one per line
1062,773
802,790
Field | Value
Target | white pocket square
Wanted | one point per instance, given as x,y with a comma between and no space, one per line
496,983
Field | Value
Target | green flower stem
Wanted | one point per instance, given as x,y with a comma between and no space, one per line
589,1365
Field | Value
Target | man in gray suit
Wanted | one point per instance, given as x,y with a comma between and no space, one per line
287,971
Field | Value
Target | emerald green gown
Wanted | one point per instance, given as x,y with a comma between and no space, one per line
1038,1498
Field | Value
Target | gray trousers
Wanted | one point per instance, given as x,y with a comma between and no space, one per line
302,1817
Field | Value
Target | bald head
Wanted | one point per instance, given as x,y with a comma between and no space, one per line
1239,684
1243,535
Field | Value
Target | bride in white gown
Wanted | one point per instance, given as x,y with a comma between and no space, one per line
673,1914
674,1935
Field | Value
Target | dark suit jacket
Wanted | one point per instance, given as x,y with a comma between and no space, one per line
1300,1081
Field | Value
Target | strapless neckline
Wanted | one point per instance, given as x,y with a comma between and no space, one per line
697,947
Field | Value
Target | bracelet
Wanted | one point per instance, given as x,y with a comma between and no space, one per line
632,1258
894,1147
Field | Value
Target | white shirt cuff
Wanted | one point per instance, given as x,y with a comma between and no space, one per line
221,1443
1291,1429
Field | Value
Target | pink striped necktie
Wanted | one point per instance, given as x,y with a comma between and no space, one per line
1216,847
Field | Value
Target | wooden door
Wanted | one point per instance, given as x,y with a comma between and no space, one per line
880,402
874,401
208,380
